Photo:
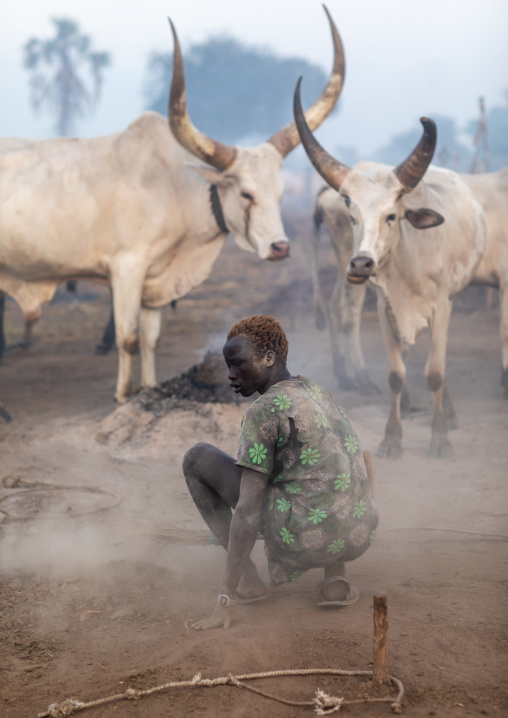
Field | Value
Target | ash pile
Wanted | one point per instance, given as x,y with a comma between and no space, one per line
203,383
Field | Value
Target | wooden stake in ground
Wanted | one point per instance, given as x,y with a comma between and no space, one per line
380,634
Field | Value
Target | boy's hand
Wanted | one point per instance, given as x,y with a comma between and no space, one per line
221,616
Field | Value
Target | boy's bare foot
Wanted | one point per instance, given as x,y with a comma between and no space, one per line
336,591
251,586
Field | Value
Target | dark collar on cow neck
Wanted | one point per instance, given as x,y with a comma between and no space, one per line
217,209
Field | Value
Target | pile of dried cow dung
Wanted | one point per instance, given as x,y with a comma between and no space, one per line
203,383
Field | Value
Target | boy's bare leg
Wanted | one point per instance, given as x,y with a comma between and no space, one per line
213,480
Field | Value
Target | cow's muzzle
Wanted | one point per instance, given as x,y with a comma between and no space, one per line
360,269
278,251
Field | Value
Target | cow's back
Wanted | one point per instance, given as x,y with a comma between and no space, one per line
491,191
73,203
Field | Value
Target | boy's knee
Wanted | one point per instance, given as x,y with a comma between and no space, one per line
192,457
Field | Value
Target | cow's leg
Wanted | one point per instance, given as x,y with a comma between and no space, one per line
127,278
338,314
2,335
353,299
149,333
503,305
405,403
108,338
337,337
449,409
391,446
27,336
319,312
435,374
27,340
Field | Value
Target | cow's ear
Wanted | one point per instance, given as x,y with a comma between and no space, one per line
210,174
424,218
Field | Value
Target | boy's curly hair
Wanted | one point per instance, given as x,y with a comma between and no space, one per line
264,333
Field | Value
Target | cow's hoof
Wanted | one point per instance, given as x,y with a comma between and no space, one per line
19,345
440,449
4,414
389,449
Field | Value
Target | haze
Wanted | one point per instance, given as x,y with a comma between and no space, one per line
404,58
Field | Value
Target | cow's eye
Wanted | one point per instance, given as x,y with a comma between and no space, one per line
347,200
391,218
247,196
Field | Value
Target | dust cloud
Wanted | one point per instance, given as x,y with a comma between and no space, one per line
91,601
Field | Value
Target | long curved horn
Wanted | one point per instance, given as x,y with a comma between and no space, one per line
330,169
287,138
411,171
214,153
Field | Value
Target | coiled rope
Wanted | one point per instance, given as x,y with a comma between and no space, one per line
29,488
323,703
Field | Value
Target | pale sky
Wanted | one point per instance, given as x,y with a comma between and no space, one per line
405,58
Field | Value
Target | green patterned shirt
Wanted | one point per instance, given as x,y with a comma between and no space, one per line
317,508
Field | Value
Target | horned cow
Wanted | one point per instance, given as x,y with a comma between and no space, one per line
344,311
129,210
419,236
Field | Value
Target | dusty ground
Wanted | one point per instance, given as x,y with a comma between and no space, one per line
92,604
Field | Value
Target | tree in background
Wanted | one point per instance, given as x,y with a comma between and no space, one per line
56,65
234,92
497,132
452,151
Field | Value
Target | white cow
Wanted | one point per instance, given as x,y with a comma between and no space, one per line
344,311
130,210
419,240
491,191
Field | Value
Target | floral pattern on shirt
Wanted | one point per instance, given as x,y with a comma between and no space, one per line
318,510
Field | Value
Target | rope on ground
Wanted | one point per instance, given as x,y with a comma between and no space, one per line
13,481
323,703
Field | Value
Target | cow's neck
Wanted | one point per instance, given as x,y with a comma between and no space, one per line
217,209
403,282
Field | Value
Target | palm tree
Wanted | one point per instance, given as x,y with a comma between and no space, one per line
56,66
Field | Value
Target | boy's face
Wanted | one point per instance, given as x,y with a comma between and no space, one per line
247,372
